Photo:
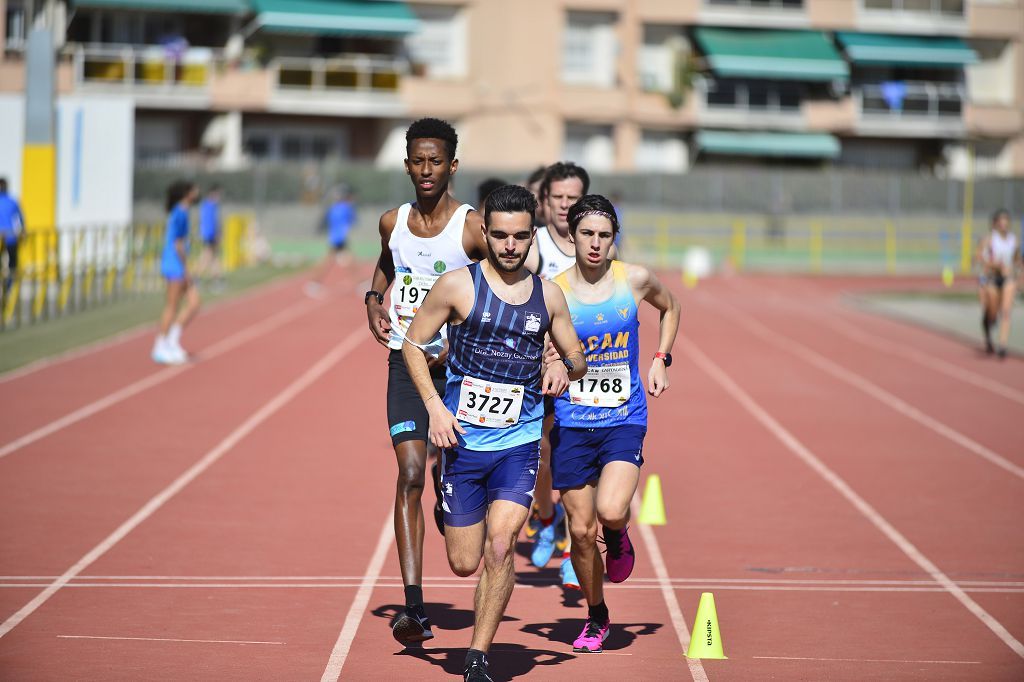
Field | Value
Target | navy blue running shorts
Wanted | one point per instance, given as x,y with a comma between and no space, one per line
472,479
407,415
578,455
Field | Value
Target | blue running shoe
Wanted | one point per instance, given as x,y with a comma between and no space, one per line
568,573
544,542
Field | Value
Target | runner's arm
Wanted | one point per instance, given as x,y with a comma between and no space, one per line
383,275
563,337
655,293
436,310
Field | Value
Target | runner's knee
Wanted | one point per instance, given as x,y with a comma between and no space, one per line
410,478
612,516
583,532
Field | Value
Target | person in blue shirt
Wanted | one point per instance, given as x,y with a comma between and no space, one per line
339,219
167,350
12,226
210,233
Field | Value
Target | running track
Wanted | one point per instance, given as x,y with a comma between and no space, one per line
850,488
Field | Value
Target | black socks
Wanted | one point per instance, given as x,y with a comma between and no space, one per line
599,613
413,596
475,655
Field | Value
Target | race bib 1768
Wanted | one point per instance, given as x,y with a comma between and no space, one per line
602,386
489,404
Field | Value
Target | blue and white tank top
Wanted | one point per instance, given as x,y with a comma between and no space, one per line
494,368
419,261
611,393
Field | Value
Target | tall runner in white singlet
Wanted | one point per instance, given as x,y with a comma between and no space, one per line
419,242
999,253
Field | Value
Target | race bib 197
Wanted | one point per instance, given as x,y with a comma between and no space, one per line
489,404
602,386
410,290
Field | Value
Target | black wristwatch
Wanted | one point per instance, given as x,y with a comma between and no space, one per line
569,364
376,294
664,357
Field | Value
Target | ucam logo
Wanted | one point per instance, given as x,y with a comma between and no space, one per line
448,489
532,324
485,316
623,313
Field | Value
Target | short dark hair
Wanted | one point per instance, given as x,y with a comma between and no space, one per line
215,187
563,170
3,184
434,129
178,190
999,213
589,205
510,199
484,189
537,175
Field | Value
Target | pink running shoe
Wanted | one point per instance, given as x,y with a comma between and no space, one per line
620,556
591,640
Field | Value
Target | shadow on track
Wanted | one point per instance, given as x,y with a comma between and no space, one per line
507,661
442,616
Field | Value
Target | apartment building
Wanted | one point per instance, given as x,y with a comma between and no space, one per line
620,85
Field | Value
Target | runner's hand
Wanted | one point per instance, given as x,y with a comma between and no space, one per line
550,353
555,380
657,378
380,325
443,425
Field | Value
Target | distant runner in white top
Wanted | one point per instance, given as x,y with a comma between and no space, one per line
998,254
419,242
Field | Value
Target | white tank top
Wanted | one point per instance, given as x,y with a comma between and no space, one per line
552,261
1000,248
419,261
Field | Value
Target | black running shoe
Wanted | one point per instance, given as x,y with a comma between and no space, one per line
411,626
435,473
1001,353
476,671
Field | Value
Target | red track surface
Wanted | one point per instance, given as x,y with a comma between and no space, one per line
846,486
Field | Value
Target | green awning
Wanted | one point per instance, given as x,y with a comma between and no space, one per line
782,55
336,17
893,50
176,6
803,145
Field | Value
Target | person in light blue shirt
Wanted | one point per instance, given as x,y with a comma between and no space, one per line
167,350
12,226
339,219
210,233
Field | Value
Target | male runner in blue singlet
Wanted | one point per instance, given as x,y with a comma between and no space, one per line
600,423
489,418
419,242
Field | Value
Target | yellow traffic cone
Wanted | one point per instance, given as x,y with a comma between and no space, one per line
705,640
652,507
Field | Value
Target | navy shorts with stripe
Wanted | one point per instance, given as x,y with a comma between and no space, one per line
407,415
472,479
578,455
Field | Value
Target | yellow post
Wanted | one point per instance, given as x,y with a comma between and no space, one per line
12,299
41,270
738,244
890,247
69,275
816,247
966,245
662,242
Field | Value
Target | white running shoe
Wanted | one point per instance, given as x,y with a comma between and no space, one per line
164,354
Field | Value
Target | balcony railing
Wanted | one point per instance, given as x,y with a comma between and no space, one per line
361,73
918,101
935,8
147,67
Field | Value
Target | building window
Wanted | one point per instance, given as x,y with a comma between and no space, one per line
767,96
589,49
759,4
17,25
934,7
661,151
663,50
591,146
439,47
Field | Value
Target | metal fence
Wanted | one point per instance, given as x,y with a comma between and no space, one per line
64,271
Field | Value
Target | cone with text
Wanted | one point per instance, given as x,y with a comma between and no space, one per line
652,506
706,639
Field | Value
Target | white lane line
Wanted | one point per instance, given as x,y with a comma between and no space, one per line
133,332
861,660
166,639
812,357
224,345
160,499
668,593
355,612
833,479
948,368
